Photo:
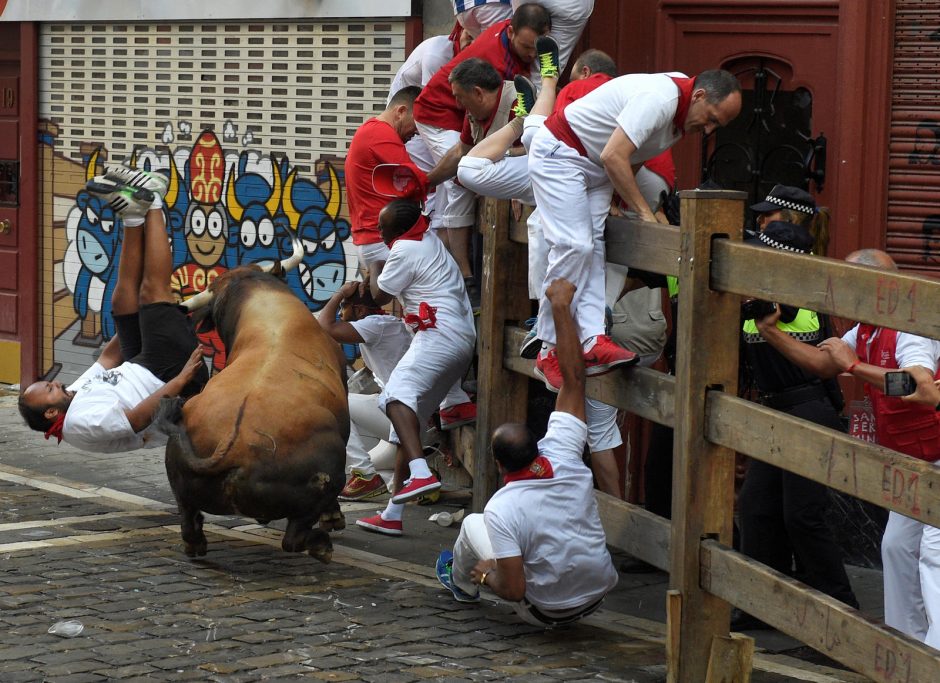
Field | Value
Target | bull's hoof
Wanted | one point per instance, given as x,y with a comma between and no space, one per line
332,521
324,555
198,549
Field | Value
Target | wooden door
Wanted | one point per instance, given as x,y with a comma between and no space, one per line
10,204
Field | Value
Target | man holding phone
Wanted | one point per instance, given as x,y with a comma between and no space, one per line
910,550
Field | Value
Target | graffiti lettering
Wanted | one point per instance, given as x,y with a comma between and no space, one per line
893,666
899,486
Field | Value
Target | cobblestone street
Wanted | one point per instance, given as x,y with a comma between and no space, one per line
96,539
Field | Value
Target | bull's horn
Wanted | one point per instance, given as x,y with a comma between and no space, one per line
292,261
194,303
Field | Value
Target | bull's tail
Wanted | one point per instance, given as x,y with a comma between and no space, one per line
168,417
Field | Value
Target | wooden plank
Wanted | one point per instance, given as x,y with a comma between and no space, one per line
632,529
647,393
821,622
650,246
731,659
673,634
703,478
503,394
881,476
887,298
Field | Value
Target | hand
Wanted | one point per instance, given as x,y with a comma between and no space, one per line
840,352
560,292
928,390
482,567
349,289
192,366
769,320
516,209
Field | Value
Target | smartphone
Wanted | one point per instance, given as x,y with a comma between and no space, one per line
899,384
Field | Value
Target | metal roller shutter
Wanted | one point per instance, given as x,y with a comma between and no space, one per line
913,229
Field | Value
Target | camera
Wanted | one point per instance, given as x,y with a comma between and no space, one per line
757,309
899,384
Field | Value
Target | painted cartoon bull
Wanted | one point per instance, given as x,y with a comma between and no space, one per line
266,438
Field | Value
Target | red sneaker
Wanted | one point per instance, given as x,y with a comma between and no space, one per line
359,487
546,367
380,526
607,355
458,415
414,488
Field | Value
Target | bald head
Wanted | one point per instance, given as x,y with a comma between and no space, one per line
514,446
872,257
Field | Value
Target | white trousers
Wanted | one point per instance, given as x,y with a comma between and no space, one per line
433,364
568,20
573,195
900,555
455,204
507,178
930,582
477,19
603,430
421,155
367,419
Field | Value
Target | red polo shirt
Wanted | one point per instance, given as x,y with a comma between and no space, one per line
376,142
436,105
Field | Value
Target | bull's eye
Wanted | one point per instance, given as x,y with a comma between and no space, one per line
310,246
216,224
106,226
329,241
248,234
197,222
265,232
91,216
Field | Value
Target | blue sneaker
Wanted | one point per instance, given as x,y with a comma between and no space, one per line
445,567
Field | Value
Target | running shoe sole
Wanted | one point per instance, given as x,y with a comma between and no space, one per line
548,385
604,368
530,347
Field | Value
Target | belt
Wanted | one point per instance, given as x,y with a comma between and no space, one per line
568,618
791,397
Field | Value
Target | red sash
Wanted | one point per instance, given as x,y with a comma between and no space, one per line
426,318
561,129
540,468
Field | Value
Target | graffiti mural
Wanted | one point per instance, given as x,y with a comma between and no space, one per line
226,206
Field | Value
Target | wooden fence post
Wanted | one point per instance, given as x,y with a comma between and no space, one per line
703,479
502,394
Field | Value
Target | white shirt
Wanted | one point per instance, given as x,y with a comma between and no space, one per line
424,271
423,62
643,105
385,339
554,524
95,420
910,350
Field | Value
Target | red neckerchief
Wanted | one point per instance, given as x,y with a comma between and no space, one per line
426,318
415,232
56,428
685,99
540,468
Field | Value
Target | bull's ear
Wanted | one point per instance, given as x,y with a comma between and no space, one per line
202,320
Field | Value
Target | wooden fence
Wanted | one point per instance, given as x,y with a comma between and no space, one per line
716,269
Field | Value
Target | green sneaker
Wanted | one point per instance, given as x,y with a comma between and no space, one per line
126,201
132,177
525,96
547,50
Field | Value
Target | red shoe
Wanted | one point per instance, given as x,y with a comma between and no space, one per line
548,369
380,526
359,487
414,488
458,415
607,355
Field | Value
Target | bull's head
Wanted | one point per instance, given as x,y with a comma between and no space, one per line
278,268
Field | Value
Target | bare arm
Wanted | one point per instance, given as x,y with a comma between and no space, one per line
446,168
928,389
813,359
505,577
340,330
111,354
570,355
141,415
381,298
616,159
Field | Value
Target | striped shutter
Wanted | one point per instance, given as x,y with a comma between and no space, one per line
913,229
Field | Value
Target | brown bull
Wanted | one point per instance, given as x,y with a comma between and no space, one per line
266,438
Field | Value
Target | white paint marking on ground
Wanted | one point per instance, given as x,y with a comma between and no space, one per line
66,521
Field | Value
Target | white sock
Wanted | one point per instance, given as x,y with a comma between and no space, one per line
419,469
393,512
546,347
589,344
133,221
157,202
